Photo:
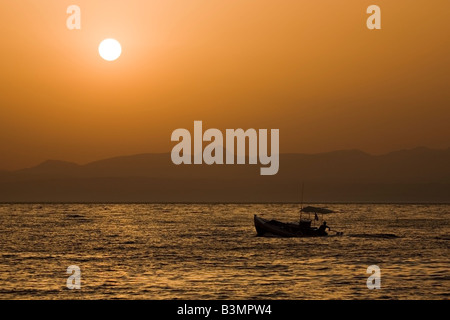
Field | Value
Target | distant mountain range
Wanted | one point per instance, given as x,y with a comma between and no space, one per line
418,175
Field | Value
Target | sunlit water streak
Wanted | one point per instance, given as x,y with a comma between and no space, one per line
176,251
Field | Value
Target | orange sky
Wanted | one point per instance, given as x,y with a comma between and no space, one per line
310,68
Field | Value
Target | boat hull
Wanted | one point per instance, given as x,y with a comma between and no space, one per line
274,228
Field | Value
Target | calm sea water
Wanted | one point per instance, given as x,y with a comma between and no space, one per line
175,251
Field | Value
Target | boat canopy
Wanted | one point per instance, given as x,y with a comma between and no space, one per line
316,210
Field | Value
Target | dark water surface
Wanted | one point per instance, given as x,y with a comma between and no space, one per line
176,251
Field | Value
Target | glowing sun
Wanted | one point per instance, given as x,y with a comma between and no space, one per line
110,49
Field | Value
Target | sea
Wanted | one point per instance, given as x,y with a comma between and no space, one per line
211,251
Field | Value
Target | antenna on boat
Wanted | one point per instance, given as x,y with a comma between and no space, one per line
301,203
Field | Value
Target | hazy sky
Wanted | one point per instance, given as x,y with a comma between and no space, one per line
310,68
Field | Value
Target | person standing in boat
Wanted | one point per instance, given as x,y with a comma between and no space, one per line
324,227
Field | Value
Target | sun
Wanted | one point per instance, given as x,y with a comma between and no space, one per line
110,49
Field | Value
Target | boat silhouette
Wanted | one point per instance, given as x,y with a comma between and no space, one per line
302,228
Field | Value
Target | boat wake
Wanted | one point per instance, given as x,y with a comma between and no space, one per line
374,235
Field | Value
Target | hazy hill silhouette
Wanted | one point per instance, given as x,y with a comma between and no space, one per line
417,175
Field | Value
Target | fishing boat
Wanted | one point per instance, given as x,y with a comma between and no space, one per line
302,228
